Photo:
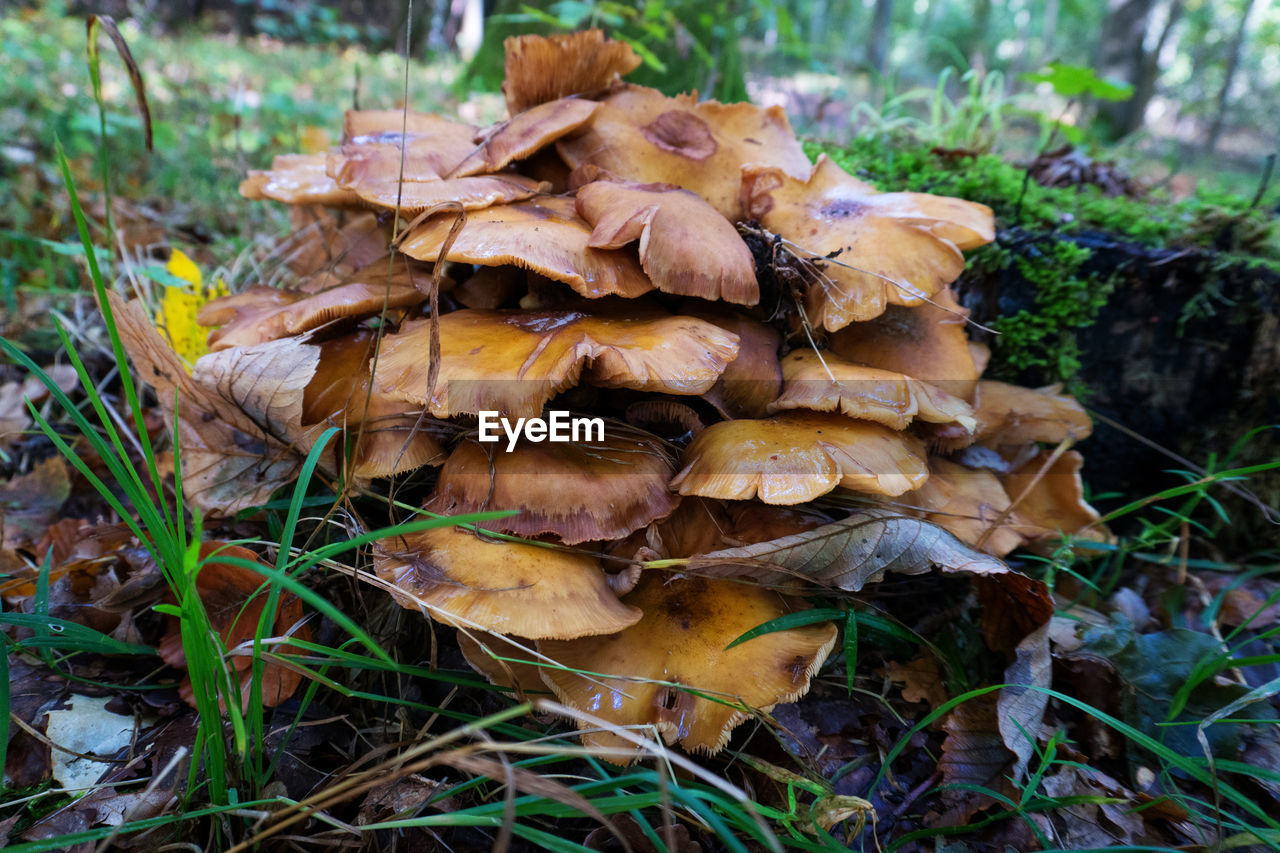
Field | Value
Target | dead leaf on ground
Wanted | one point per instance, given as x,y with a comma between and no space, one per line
920,680
851,553
14,416
228,462
29,502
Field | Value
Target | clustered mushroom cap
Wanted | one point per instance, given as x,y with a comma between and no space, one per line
875,249
685,246
528,590
796,457
591,490
661,204
825,382
514,362
1010,414
672,670
544,68
642,135
925,342
543,234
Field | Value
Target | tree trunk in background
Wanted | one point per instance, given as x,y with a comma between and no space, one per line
1144,89
880,39
1229,76
981,22
1049,30
1121,55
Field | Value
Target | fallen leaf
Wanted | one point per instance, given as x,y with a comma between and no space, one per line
973,754
29,502
851,553
920,680
85,726
228,462
15,419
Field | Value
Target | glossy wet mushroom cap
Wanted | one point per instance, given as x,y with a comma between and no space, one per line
514,362
967,502
299,179
524,134
678,649
825,382
579,491
796,457
461,579
1051,502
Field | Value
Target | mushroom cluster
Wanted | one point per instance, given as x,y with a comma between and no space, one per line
753,344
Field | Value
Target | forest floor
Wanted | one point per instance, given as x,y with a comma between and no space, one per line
1161,655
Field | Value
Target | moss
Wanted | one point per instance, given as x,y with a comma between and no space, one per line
1040,340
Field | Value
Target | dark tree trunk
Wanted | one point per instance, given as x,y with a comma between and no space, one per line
880,39
1229,76
1121,55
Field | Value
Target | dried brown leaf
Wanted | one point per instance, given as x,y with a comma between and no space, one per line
851,553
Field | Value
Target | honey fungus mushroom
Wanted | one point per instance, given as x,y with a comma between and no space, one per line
544,235
514,362
579,491
459,578
655,670
685,246
825,382
875,249
795,457
641,135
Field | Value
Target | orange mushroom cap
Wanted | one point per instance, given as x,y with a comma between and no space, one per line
639,134
825,382
260,313
543,68
1011,414
966,502
926,342
430,149
298,179
753,380
1054,505
517,670
686,247
883,248
678,650
798,456
525,134
578,491
543,234
513,362
531,591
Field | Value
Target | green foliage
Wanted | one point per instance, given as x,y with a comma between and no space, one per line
1072,81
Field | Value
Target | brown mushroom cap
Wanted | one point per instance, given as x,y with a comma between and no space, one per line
825,382
887,250
391,438
473,193
298,179
1055,504
641,135
1011,414
524,134
798,456
753,380
508,587
260,313
543,234
679,647
967,502
578,491
926,342
513,362
543,68
432,147
686,247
